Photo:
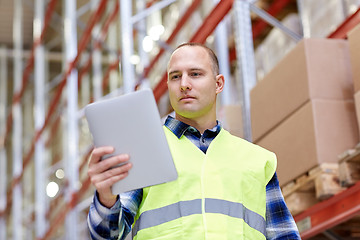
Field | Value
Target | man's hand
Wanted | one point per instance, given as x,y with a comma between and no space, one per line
103,173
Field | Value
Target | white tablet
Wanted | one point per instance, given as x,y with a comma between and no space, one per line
131,124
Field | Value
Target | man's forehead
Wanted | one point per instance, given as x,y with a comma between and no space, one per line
192,54
190,50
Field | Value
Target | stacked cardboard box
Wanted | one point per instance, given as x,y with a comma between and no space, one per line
354,44
230,117
303,109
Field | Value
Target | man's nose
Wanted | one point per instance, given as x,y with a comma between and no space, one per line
185,83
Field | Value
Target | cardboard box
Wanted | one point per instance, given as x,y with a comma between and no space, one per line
354,46
314,69
317,133
357,107
231,118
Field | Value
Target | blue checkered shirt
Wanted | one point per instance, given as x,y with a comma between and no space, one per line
105,223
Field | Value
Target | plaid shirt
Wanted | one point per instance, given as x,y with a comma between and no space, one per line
105,223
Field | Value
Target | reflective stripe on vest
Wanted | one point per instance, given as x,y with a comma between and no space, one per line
177,210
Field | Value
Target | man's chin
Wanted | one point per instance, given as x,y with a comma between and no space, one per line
187,114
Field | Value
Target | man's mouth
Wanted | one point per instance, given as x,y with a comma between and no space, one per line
186,98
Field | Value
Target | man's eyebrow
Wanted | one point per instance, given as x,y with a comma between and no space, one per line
173,72
191,69
196,69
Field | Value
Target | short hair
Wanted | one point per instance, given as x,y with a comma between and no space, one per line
213,57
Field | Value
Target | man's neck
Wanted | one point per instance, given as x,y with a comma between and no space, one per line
200,124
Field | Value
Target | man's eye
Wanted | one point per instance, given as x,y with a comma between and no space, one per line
195,74
174,77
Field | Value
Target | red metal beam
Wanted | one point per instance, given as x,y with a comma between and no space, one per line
212,20
83,70
259,25
207,27
150,3
331,212
53,129
275,8
113,66
346,26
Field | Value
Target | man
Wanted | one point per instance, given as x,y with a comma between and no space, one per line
227,187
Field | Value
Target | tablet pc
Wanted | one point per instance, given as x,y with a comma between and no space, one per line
131,124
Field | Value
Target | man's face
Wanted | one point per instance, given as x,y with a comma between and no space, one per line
192,84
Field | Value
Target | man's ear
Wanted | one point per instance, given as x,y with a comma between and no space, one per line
220,81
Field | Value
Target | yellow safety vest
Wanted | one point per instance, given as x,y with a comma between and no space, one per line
218,195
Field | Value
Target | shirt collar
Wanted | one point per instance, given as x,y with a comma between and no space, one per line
179,128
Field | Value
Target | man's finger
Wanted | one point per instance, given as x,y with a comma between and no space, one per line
98,152
109,173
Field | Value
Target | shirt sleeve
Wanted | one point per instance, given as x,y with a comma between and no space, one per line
114,222
280,224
